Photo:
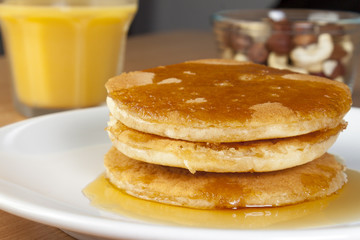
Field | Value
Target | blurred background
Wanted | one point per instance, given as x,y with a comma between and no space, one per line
169,15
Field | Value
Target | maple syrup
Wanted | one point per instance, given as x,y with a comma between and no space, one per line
340,208
211,82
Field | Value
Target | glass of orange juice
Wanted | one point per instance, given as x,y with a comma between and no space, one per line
63,51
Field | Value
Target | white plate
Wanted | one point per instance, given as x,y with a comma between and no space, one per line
45,163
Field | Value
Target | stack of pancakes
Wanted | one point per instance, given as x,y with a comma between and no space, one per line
217,133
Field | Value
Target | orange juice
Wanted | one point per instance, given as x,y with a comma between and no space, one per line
61,56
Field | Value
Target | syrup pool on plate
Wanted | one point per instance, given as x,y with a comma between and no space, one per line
340,208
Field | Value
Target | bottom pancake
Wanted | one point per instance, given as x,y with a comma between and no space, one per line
205,190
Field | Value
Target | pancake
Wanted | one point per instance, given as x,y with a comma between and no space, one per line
204,190
252,156
226,101
104,195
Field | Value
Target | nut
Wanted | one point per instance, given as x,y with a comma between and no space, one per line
339,71
280,43
304,39
281,26
316,67
227,53
256,30
333,69
281,62
304,33
338,52
258,53
348,46
339,79
241,57
303,28
240,42
313,54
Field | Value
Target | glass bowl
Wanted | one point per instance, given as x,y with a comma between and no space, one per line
318,42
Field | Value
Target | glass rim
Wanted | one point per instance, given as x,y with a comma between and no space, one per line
295,15
66,3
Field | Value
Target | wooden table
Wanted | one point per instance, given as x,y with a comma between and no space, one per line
143,51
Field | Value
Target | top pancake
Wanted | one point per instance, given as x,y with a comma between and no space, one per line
215,100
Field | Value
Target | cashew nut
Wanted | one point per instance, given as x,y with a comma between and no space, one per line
340,79
314,53
227,53
348,46
315,68
241,57
256,30
333,69
281,62
329,67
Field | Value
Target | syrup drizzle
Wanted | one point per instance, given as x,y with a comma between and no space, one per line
197,94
